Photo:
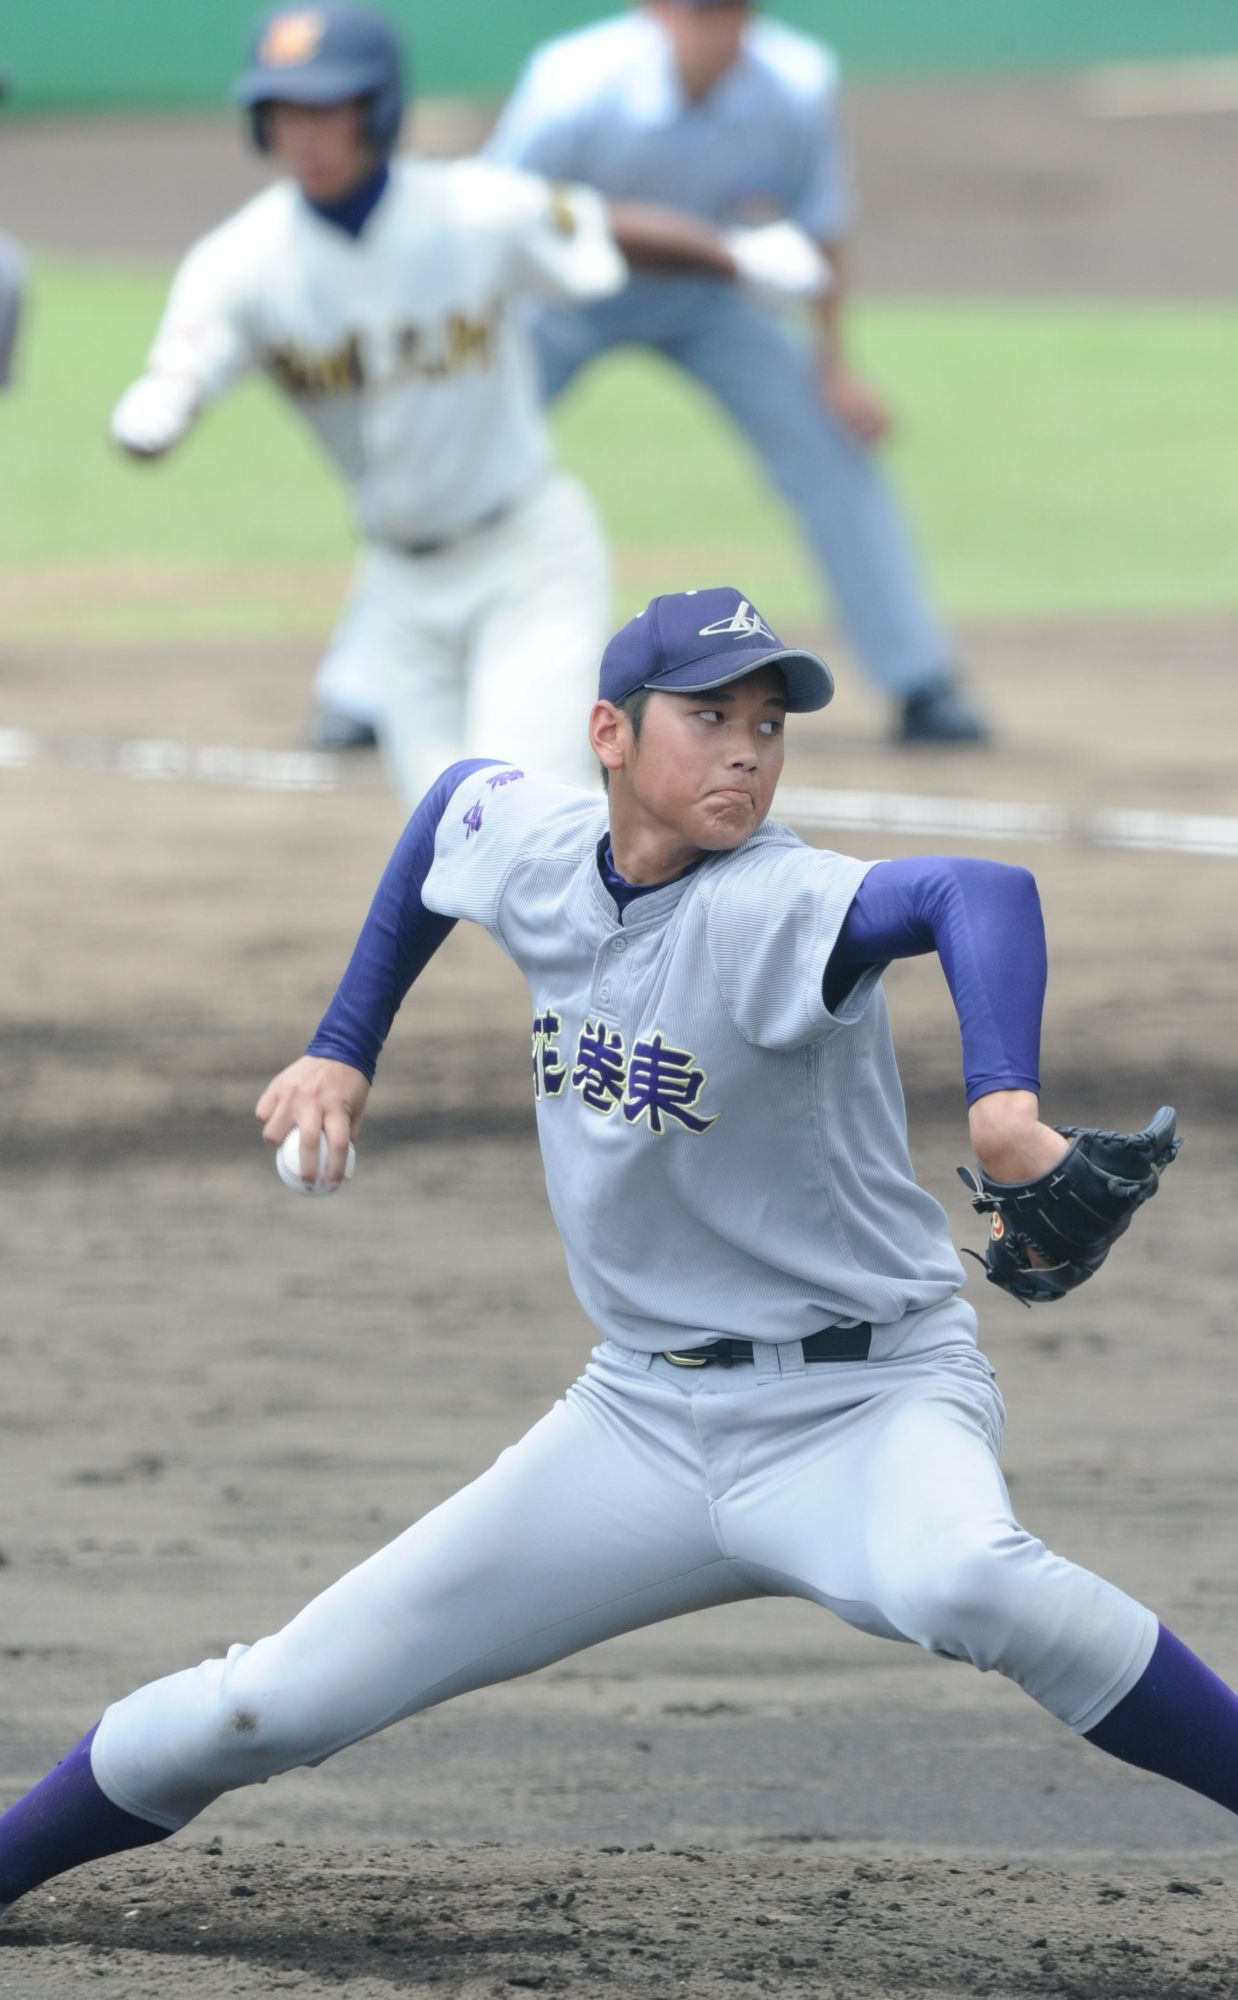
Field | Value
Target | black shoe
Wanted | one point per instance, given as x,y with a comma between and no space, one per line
939,714
331,729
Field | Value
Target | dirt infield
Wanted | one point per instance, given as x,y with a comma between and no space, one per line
217,1397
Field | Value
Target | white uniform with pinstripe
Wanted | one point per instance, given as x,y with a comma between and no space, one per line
723,1157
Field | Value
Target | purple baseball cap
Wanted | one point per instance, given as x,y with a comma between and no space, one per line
693,640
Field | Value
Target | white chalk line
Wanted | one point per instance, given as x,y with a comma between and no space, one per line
156,758
159,760
1001,819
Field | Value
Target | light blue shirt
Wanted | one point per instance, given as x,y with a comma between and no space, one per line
605,106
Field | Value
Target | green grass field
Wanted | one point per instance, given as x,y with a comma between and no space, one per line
1075,460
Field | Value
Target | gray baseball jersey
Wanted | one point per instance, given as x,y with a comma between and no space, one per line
684,1061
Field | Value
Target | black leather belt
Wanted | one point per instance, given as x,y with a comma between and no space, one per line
833,1343
444,542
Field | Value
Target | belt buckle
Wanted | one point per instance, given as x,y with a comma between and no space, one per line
686,1360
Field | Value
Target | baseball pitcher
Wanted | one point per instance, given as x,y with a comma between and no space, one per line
786,1395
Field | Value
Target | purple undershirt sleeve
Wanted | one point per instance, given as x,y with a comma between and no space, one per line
398,938
983,920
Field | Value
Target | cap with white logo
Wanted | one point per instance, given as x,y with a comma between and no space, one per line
694,640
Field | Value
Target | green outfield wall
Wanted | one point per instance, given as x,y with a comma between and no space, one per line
71,54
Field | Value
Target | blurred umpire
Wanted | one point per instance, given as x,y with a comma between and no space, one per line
734,117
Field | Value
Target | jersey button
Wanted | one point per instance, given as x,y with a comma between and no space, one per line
604,990
618,944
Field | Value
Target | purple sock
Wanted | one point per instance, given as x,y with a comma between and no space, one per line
65,1820
1178,1720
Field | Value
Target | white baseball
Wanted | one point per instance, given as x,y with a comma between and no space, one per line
288,1165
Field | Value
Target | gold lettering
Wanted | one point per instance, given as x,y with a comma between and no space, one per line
317,375
467,340
562,214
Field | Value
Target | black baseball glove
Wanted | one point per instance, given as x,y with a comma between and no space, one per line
1073,1215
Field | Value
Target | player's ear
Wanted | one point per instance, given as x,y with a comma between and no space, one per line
609,735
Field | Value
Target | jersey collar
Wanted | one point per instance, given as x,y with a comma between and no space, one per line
643,911
353,212
652,909
624,894
656,94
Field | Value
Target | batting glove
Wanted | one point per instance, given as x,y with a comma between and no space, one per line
154,414
778,262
